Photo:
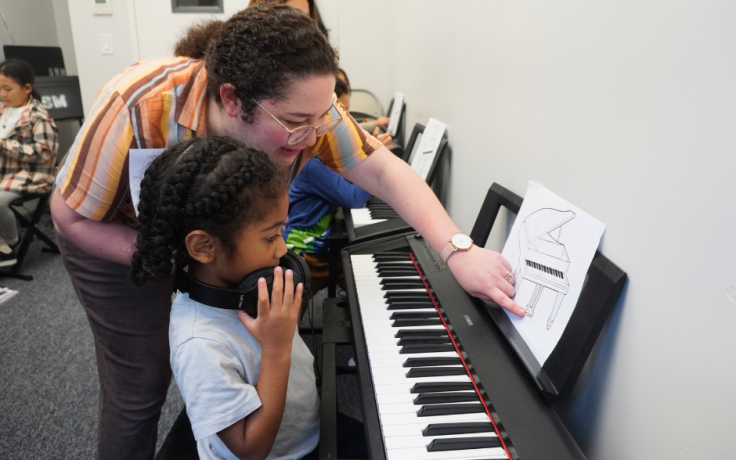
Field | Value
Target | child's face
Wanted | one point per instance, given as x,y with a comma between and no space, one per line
259,245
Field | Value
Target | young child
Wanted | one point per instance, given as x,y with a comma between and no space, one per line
314,196
217,207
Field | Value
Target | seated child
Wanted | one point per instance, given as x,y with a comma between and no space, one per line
217,207
314,196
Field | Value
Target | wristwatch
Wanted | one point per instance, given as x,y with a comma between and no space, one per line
458,242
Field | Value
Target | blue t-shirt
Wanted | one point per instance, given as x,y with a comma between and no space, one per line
314,196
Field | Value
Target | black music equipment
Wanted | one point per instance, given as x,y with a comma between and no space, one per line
61,96
245,297
377,219
445,375
46,61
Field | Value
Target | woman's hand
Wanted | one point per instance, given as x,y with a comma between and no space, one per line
276,322
482,273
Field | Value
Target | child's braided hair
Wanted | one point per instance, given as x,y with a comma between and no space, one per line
215,184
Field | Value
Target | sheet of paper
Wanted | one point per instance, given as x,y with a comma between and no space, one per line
550,248
395,115
138,161
422,160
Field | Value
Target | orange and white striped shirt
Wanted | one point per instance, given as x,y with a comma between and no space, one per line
152,105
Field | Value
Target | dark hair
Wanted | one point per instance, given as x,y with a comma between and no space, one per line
344,74
20,71
341,87
215,184
313,11
259,50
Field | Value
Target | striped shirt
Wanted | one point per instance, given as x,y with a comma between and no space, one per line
155,104
28,154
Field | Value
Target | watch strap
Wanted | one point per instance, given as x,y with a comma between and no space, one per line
447,252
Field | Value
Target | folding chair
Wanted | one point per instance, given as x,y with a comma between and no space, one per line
32,230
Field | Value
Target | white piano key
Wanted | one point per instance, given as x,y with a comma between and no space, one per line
411,382
403,357
419,453
406,397
406,408
362,217
389,421
400,372
403,442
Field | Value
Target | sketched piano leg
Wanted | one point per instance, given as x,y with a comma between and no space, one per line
533,300
556,309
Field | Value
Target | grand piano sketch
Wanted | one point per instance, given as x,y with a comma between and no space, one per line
543,260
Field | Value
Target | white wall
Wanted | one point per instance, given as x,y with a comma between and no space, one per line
38,23
625,108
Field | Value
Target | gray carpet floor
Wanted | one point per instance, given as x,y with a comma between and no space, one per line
48,376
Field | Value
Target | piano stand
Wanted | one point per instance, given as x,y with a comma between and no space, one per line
336,331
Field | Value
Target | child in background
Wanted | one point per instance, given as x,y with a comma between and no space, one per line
28,148
343,90
314,196
217,207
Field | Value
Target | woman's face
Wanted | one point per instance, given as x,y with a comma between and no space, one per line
307,103
13,93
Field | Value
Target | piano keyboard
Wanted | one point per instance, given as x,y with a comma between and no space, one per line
374,212
427,403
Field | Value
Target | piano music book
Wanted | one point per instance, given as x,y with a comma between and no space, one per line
550,247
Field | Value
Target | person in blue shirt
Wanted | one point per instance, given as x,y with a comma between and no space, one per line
314,197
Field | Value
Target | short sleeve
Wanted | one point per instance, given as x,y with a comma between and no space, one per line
93,180
211,381
347,145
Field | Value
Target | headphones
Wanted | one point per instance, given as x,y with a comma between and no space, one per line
245,296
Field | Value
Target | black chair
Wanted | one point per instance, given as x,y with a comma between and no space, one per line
30,223
179,443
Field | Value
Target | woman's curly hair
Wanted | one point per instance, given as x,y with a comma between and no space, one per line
260,51
215,184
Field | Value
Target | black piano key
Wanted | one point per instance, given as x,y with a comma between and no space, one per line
383,214
406,296
414,314
416,322
395,273
446,398
390,284
410,349
480,442
409,305
389,256
419,372
432,361
432,410
420,340
444,429
419,332
435,387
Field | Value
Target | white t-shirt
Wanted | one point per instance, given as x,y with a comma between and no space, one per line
8,119
216,364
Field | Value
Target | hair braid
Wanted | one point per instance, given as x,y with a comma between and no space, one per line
215,184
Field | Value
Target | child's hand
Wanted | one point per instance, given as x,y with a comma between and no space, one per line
276,322
384,138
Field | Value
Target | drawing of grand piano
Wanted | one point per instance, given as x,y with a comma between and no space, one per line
543,259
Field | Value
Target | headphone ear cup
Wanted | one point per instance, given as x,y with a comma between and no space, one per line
250,281
298,266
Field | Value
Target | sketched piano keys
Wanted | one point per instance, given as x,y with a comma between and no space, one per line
543,259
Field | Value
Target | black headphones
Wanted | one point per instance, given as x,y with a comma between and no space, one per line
245,297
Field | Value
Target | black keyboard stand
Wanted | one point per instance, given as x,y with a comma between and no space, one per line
336,331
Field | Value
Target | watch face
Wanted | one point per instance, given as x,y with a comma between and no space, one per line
461,241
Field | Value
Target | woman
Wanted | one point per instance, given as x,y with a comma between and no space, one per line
267,79
28,148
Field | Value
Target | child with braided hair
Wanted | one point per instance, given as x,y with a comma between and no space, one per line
215,206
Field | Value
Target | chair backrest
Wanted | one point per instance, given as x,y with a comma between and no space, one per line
364,101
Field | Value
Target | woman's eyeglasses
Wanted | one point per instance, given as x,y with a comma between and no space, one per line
299,134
